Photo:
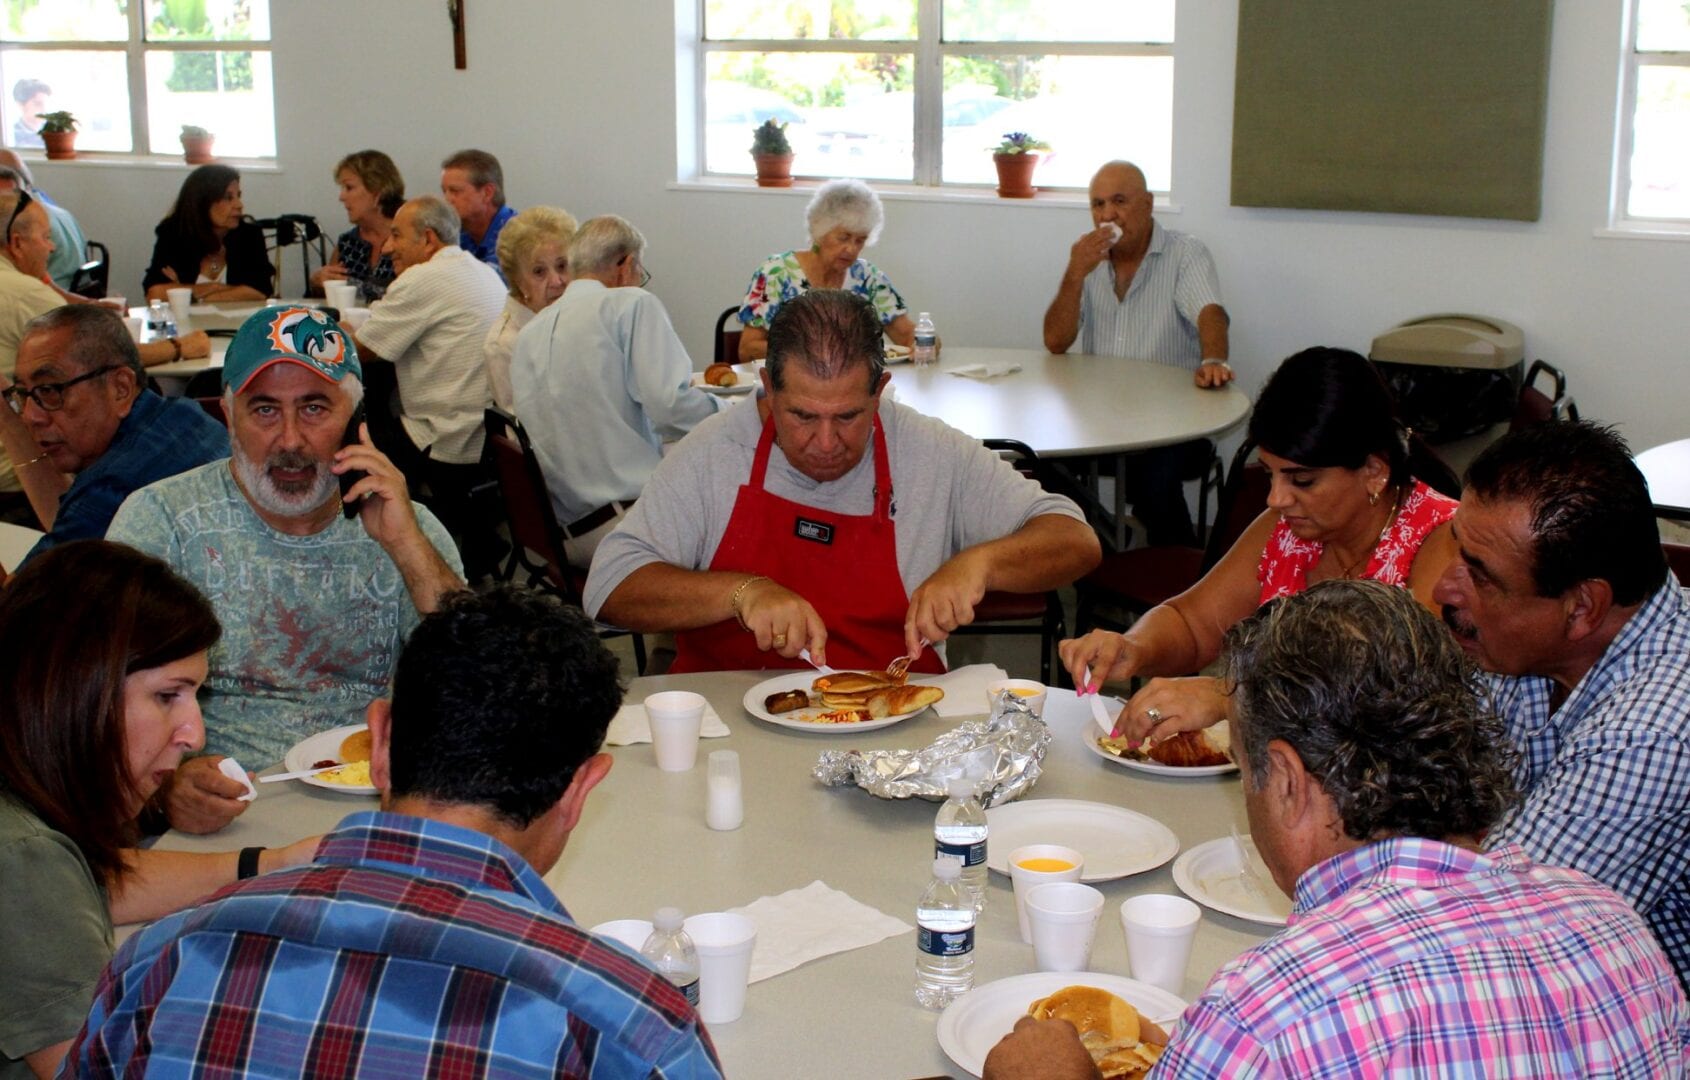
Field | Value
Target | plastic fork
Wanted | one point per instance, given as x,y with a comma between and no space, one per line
1247,869
900,667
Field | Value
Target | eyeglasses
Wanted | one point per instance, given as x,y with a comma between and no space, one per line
50,396
645,275
24,200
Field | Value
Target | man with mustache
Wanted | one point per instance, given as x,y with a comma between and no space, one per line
314,602
1562,591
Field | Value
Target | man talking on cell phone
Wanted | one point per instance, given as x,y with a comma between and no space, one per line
314,604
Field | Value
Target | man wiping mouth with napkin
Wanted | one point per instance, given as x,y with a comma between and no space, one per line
773,527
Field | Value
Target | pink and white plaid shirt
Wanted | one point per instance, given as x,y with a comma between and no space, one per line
1411,957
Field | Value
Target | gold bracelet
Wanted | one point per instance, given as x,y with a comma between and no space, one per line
739,594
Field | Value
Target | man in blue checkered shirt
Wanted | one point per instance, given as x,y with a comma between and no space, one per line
421,939
1562,591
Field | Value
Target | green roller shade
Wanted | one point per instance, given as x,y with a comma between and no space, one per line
1400,106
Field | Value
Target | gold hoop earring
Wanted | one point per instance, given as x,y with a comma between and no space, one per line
1373,498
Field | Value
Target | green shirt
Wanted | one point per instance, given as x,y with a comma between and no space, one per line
55,936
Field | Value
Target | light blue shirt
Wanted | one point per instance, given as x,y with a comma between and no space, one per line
1157,319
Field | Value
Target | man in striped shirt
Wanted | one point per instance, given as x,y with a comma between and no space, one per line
1135,289
1371,768
421,940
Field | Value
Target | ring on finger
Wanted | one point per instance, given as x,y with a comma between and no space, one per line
780,640
1154,715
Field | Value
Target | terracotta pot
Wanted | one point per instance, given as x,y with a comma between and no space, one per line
61,145
773,170
196,149
1015,174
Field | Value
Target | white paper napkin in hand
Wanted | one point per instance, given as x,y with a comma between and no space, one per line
965,689
631,725
806,924
985,371
232,769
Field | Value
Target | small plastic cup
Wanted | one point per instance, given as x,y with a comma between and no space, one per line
1160,928
725,941
134,324
1038,864
724,806
341,295
1063,918
1030,690
676,718
180,300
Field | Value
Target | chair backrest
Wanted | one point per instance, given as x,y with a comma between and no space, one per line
1027,462
205,384
1678,558
213,407
727,341
533,524
1536,406
301,229
1243,497
93,277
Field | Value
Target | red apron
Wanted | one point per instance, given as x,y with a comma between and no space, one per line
846,566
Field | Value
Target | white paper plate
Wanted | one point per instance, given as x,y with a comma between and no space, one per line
1090,736
1209,874
749,380
324,744
1115,841
801,680
972,1024
898,354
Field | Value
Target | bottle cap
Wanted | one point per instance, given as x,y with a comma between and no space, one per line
947,868
924,315
668,919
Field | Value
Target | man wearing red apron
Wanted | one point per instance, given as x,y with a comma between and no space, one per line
790,569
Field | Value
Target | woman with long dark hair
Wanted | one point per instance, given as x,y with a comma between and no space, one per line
101,651
1354,494
207,243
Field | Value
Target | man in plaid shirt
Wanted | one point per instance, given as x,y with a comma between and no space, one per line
421,940
1562,590
1371,767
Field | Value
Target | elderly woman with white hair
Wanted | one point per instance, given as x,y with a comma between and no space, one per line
533,252
844,218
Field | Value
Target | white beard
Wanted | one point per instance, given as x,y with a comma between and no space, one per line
271,497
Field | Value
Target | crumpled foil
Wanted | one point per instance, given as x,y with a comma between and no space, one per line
1005,752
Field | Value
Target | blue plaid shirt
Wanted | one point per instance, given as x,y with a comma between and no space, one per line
1607,775
408,948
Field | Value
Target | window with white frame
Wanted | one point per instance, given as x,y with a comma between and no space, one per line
1652,172
922,91
135,72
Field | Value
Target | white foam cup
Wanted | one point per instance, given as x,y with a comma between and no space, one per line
1159,928
1024,879
180,300
676,718
724,941
133,324
724,806
1062,916
340,295
1029,690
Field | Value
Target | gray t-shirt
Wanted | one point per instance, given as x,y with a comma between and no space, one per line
948,493
311,624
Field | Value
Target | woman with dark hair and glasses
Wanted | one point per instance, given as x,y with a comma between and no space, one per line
101,651
1354,494
207,243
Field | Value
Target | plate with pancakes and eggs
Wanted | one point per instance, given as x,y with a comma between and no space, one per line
839,701
1190,753
349,746
1121,1022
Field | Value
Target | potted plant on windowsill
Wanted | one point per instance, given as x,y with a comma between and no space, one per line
196,144
58,132
1016,158
773,155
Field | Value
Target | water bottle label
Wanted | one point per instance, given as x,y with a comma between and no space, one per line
945,942
691,991
970,854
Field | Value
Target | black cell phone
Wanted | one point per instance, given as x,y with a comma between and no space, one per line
351,476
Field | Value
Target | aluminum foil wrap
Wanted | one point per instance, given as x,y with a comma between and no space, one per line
1005,752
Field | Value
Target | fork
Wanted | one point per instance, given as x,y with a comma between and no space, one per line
900,667
1247,869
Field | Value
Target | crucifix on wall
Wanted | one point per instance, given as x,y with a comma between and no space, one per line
455,9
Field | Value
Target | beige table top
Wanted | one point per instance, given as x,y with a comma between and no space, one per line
1070,404
642,843
15,542
223,318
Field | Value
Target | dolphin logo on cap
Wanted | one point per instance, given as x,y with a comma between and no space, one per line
308,332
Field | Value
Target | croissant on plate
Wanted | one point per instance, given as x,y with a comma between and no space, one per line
1190,749
897,700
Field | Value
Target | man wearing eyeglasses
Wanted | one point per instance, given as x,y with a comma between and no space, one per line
83,428
601,382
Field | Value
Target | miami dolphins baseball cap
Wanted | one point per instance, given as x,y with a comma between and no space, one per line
290,334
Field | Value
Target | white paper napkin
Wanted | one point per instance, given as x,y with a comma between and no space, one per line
965,689
631,725
806,924
232,769
985,371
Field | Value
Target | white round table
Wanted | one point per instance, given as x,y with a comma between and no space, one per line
15,542
642,843
1666,468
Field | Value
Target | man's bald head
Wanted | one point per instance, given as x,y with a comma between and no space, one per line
1120,195
1123,172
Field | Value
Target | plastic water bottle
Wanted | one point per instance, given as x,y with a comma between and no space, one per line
926,341
960,832
672,952
160,320
944,918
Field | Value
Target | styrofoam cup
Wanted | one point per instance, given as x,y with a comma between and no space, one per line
1159,928
133,324
1024,879
724,941
1062,916
341,295
181,299
676,718
1030,690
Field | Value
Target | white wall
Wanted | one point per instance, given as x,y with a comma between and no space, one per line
577,100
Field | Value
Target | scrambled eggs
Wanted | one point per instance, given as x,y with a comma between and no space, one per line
355,774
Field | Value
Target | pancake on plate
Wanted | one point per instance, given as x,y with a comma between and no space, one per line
356,746
1121,1043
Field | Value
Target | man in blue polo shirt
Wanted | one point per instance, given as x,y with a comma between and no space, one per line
473,182
80,408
